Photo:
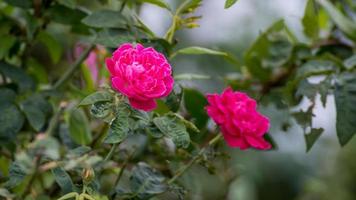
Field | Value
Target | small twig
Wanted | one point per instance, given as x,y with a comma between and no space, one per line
182,170
76,65
33,177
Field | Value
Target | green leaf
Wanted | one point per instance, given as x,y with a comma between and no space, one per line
146,182
11,120
113,38
315,67
160,3
17,174
172,127
272,49
36,109
69,3
6,41
345,101
105,19
7,95
6,194
190,76
174,99
312,137
71,17
189,6
53,46
100,96
20,3
229,3
350,63
199,51
310,20
341,21
195,102
101,109
18,76
63,180
119,127
79,127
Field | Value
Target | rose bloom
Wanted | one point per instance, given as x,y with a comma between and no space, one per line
142,74
240,123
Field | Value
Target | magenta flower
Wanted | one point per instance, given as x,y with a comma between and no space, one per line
240,123
142,74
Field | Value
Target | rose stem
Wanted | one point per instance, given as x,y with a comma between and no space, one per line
181,171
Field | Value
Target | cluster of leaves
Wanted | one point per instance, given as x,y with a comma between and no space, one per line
50,140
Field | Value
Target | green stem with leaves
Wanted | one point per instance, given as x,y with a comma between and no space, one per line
196,158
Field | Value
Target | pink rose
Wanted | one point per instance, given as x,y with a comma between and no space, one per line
241,124
142,74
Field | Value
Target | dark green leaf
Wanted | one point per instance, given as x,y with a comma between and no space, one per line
11,120
18,76
119,127
95,97
6,41
146,182
36,109
63,180
172,127
53,46
71,16
7,95
310,138
79,127
310,20
229,3
17,174
195,102
20,3
174,99
101,109
105,19
315,67
69,3
113,37
304,118
345,101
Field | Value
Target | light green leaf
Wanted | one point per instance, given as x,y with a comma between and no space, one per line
345,101
79,127
350,63
105,19
69,3
190,76
119,127
63,180
53,46
95,97
11,120
229,3
160,3
172,127
312,137
310,20
194,50
146,182
341,21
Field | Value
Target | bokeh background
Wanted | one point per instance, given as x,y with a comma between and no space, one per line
328,171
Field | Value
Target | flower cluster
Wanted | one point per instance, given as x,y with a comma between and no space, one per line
144,75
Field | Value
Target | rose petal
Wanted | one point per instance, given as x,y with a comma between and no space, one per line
148,105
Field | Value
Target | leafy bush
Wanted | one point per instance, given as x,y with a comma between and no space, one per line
68,132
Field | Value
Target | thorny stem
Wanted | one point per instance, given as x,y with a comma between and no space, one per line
73,67
183,169
112,150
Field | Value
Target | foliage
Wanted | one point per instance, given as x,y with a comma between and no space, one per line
62,136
